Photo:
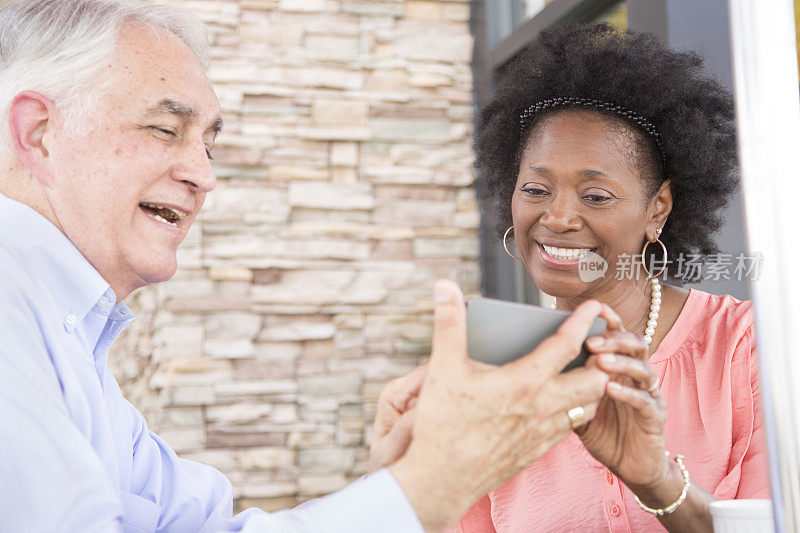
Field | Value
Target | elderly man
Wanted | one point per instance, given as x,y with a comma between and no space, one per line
108,123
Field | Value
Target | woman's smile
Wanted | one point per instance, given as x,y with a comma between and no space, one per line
561,256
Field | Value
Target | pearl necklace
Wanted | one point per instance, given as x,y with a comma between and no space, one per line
655,307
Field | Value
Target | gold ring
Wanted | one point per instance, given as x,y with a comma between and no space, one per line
577,417
652,388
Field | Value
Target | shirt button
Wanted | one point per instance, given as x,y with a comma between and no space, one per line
610,478
70,320
103,302
615,510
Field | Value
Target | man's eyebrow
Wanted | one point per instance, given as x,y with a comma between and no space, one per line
216,127
172,107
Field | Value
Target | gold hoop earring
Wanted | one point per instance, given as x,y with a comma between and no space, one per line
505,245
644,266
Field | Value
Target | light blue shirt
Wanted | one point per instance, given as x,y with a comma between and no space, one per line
75,456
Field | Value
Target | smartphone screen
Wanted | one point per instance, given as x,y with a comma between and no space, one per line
499,332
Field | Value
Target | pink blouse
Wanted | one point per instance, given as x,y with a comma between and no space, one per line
708,373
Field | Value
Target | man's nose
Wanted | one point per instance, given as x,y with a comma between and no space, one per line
195,168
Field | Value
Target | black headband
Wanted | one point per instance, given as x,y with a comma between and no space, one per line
570,101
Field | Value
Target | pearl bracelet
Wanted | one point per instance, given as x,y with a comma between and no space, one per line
684,492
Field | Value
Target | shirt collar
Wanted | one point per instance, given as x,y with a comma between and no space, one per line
76,287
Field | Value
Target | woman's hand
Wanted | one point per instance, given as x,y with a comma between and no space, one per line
392,430
627,433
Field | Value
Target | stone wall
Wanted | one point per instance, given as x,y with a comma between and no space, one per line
345,190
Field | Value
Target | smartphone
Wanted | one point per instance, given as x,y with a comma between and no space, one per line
499,332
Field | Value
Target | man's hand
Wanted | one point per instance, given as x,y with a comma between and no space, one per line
394,423
477,425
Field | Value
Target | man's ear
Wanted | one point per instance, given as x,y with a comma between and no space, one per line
30,118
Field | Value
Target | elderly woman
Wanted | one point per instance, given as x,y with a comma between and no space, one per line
598,147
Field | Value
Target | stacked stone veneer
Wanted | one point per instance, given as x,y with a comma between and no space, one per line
345,190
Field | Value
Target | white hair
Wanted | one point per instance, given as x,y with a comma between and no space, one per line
57,47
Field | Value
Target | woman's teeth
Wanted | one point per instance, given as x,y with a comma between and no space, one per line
566,254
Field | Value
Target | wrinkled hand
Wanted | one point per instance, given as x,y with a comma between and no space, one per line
476,424
627,432
394,423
